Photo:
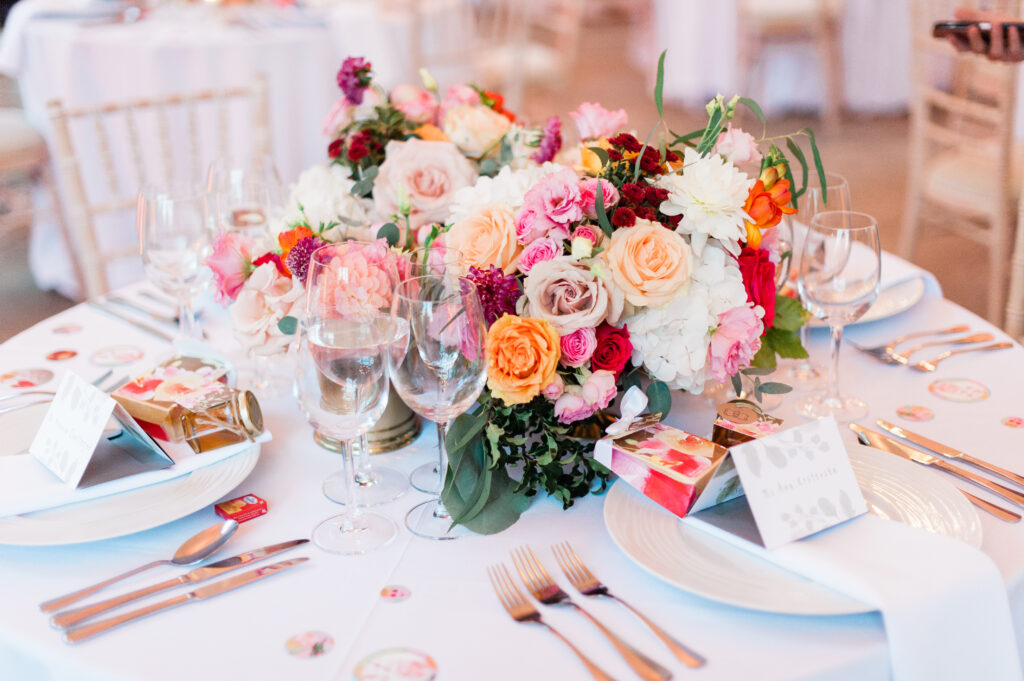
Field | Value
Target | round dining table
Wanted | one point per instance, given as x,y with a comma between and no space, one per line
420,609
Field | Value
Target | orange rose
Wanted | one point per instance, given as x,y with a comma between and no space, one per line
431,133
649,263
522,357
766,208
486,237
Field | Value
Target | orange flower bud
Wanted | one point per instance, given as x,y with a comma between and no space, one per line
766,207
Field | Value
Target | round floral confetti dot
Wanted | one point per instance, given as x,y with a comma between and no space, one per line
959,390
396,664
915,412
59,355
1013,422
309,644
68,328
116,355
395,593
25,378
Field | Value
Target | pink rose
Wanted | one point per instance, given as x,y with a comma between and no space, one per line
571,406
554,389
364,277
417,105
589,232
737,146
539,250
265,299
578,346
599,390
531,223
568,294
231,262
735,342
557,197
588,193
459,95
594,121
429,173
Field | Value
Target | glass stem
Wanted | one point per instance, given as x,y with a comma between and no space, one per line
835,339
364,473
805,339
187,329
351,505
442,468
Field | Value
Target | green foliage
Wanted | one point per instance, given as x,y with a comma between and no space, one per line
390,232
288,325
364,185
602,214
659,398
659,85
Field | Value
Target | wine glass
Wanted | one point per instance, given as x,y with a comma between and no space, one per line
342,380
438,368
839,280
805,373
174,240
243,195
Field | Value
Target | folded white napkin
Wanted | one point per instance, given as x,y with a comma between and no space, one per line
896,270
943,602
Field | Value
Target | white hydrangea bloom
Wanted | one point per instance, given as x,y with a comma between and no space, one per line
325,194
508,187
709,194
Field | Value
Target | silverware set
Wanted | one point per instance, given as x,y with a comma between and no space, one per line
545,590
888,353
940,461
75,622
138,315
104,382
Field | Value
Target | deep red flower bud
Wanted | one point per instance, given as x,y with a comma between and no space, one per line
623,217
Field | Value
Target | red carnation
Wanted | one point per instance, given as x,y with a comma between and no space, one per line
623,217
357,151
650,166
759,279
335,147
626,141
613,349
647,213
655,194
614,155
633,192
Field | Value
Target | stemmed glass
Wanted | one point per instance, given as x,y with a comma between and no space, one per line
839,279
805,373
439,369
342,379
175,239
242,195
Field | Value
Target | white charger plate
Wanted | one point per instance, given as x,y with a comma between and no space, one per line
695,561
118,514
891,301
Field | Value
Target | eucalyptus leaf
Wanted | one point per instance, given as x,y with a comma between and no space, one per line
362,188
818,165
710,137
489,166
369,173
288,325
659,85
602,154
659,398
753,106
602,214
737,384
776,388
390,232
798,154
636,161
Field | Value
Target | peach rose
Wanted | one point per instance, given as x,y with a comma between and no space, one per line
486,237
522,358
476,130
428,173
649,263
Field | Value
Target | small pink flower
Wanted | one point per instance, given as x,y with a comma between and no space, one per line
553,390
417,105
531,224
539,250
578,346
588,193
557,197
459,95
599,390
737,146
735,342
590,232
231,263
594,121
571,406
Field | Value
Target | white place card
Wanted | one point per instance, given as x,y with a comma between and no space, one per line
798,481
72,428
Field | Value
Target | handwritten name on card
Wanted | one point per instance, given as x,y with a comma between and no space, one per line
798,482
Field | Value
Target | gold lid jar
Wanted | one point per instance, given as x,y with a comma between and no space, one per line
223,418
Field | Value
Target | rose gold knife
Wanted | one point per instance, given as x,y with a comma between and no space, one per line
939,448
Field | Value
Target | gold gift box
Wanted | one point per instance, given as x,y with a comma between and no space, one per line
741,421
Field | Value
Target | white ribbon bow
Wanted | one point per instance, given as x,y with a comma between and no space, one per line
634,402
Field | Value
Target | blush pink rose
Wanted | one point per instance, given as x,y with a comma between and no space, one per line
231,262
417,105
553,390
594,121
537,251
557,197
578,346
571,406
735,342
265,299
459,95
588,194
737,146
531,224
599,390
429,173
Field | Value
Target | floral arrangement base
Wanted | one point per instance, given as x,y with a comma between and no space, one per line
398,427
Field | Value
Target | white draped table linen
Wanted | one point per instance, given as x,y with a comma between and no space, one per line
452,613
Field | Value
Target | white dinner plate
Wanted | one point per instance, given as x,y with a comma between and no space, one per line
891,301
695,561
124,513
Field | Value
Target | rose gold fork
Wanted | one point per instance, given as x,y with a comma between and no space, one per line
520,609
545,590
589,585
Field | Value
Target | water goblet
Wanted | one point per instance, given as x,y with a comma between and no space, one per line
242,195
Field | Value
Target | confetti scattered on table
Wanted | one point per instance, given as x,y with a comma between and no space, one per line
396,664
959,390
395,593
67,328
1013,422
59,355
309,644
116,355
915,412
25,378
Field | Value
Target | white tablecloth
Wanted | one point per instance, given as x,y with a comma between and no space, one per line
452,614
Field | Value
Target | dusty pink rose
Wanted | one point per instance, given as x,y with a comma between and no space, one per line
568,294
231,261
571,406
417,105
594,121
588,194
459,95
364,277
265,299
553,390
428,173
557,197
599,390
735,342
578,346
531,224
537,251
737,146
